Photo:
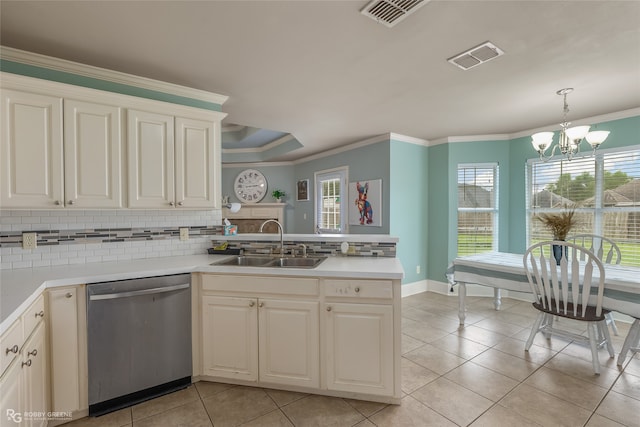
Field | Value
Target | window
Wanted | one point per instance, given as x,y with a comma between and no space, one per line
603,190
331,211
477,208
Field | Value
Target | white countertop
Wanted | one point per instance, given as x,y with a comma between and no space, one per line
20,287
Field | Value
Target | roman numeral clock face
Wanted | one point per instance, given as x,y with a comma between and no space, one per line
250,186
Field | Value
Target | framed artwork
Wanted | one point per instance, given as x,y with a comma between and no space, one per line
303,190
365,203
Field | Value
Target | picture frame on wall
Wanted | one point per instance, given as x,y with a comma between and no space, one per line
302,190
365,203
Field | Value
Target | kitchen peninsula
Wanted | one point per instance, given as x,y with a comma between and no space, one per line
332,330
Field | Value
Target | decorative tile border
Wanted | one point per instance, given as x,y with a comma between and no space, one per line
362,249
105,235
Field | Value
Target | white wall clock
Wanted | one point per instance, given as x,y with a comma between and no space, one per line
250,186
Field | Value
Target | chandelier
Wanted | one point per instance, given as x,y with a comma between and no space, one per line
569,138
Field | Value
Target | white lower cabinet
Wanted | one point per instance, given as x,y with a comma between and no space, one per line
24,385
66,311
337,337
11,395
359,348
289,337
261,339
35,378
230,337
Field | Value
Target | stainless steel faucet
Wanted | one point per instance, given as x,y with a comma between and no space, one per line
304,249
280,229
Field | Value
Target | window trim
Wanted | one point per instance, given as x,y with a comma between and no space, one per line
495,166
341,173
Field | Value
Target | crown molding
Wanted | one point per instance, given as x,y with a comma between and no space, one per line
409,139
255,164
57,64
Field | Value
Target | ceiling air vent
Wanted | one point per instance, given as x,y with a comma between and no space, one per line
476,56
390,12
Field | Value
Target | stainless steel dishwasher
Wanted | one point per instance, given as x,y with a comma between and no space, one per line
139,340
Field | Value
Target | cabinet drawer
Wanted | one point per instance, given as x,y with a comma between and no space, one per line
10,343
33,316
260,285
358,288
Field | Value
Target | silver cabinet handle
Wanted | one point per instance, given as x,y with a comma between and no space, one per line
34,352
57,203
329,308
179,203
251,303
261,304
171,203
28,363
13,349
40,313
71,202
357,290
140,292
68,295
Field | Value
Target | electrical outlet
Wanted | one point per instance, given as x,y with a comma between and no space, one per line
29,241
184,233
417,269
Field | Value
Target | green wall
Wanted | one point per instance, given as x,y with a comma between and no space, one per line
365,163
512,156
409,206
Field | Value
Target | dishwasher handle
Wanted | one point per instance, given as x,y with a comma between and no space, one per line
150,291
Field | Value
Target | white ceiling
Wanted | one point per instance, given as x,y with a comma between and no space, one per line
330,76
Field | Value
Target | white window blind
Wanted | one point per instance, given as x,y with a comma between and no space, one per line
477,212
603,190
331,214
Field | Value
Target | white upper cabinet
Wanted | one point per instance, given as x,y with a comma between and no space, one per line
93,155
196,154
150,145
172,166
31,151
64,146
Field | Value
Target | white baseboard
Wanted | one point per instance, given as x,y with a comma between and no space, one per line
414,288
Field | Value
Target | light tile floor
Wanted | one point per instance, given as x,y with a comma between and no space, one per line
478,375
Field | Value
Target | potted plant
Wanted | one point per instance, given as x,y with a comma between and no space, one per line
278,195
559,224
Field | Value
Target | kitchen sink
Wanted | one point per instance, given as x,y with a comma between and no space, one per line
267,261
298,262
246,261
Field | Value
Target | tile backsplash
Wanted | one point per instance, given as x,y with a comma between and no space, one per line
78,237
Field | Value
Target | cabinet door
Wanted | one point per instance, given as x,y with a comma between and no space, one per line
195,164
31,151
230,337
289,342
93,155
150,149
11,395
35,376
65,384
359,348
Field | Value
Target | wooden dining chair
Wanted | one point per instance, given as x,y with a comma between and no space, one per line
573,289
597,244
